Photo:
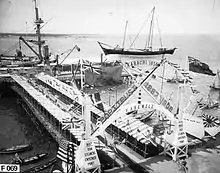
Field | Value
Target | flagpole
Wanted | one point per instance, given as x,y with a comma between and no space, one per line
81,74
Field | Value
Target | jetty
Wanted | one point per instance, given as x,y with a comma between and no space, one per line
51,103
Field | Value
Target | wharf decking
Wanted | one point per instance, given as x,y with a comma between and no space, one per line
41,96
49,114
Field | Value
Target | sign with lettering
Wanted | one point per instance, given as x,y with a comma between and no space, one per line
123,98
65,89
141,63
181,135
86,155
160,111
158,96
193,125
178,136
134,107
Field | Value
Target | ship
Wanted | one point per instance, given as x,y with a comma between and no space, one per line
41,167
176,78
216,82
15,149
20,59
147,51
41,54
29,160
209,103
107,49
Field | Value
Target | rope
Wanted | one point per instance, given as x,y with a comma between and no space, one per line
141,29
159,32
213,7
46,23
149,42
161,90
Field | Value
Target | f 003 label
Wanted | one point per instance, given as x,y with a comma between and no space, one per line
9,168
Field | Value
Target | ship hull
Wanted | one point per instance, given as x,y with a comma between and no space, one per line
136,52
16,149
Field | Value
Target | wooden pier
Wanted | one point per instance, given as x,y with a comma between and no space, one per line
51,106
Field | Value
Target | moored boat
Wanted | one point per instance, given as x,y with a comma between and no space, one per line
107,49
216,82
30,159
147,51
40,167
15,149
209,104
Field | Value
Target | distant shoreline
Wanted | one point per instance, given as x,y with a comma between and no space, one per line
93,35
43,35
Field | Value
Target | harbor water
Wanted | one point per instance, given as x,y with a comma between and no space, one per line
16,128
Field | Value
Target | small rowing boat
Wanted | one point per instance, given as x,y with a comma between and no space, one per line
15,149
29,159
40,167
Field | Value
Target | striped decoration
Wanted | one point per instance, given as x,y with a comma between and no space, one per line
139,97
210,121
66,151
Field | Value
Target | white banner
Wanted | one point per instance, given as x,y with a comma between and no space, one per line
141,63
177,136
157,96
65,89
193,125
86,155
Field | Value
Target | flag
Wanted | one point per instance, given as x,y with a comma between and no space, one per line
197,66
66,151
87,65
67,123
210,121
97,102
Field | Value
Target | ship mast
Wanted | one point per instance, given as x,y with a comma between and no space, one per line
123,44
150,36
38,23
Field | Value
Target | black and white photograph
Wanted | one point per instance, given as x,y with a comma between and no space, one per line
110,86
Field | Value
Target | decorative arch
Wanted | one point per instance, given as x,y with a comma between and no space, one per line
162,113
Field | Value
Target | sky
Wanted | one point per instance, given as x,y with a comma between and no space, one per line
109,16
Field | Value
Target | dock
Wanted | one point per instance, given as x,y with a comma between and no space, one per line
38,103
45,97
